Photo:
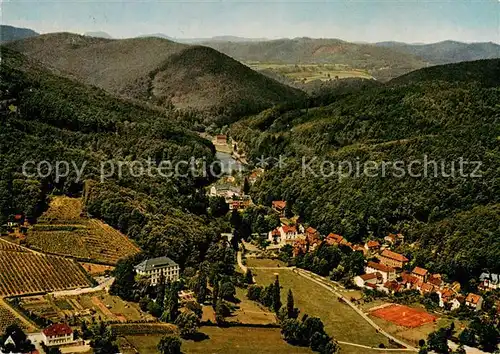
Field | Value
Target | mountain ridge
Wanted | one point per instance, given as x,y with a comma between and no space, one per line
155,70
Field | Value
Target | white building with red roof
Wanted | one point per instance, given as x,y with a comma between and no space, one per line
474,301
388,273
57,334
284,233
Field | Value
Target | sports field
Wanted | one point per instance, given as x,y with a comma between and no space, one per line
404,316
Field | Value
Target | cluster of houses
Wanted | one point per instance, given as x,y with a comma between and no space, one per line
388,276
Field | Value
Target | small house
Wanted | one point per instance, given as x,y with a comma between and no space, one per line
474,301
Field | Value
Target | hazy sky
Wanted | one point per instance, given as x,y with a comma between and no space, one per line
369,20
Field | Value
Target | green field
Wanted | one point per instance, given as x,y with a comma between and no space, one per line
341,322
231,340
311,72
264,262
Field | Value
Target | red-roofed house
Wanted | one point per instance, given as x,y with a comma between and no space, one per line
372,246
448,298
409,281
392,286
474,301
392,259
420,273
388,273
279,206
283,233
334,239
435,279
57,334
426,288
371,278
311,231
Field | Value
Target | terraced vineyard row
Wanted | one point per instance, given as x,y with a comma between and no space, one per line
62,230
27,273
7,318
9,246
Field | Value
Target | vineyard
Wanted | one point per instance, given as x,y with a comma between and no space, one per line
64,229
9,246
28,272
8,317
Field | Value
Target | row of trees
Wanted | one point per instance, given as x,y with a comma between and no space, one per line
482,333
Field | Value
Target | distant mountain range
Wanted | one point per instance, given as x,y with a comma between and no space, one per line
383,60
160,72
202,40
98,34
448,51
10,33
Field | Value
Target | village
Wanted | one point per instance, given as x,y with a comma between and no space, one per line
60,306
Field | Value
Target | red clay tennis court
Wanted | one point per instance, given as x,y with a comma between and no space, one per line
404,315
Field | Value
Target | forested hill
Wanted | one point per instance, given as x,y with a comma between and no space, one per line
442,121
160,72
447,51
484,72
10,33
47,117
382,63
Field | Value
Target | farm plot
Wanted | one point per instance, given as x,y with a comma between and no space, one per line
85,307
28,273
64,230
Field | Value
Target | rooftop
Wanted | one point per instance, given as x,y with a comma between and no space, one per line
59,329
372,244
380,267
493,278
473,298
394,256
333,238
150,264
419,271
369,276
279,204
